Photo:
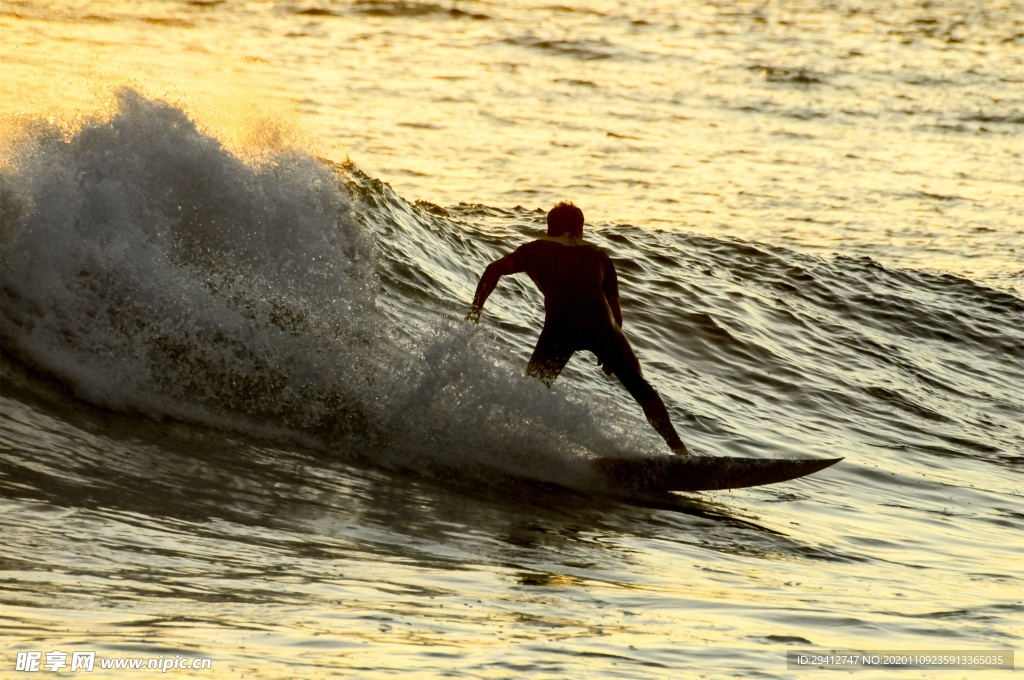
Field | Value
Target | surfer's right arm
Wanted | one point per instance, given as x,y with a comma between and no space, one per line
495,270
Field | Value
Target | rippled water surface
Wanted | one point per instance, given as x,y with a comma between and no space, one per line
242,417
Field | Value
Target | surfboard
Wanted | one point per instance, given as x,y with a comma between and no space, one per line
700,473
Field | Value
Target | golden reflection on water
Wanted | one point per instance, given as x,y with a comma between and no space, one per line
813,150
271,560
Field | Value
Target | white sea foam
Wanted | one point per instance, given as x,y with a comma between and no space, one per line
154,271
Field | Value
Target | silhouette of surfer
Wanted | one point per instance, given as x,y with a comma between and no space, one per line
581,311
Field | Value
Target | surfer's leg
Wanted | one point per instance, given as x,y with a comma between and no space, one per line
549,358
626,367
654,409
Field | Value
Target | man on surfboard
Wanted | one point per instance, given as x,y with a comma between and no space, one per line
581,311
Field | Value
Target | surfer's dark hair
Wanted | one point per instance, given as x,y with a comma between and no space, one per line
565,218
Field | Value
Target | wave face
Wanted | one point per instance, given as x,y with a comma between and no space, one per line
150,270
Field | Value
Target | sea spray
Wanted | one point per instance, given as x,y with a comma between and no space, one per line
151,270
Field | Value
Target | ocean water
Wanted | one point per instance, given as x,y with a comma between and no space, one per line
241,417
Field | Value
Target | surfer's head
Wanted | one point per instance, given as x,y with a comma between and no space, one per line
565,218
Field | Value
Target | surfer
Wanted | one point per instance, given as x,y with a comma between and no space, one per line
581,311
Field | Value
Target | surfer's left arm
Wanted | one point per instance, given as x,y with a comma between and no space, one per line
495,270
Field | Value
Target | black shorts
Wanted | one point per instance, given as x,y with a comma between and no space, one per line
555,347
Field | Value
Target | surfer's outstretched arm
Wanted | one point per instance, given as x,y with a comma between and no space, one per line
495,270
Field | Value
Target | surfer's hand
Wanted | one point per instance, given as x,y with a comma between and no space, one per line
474,314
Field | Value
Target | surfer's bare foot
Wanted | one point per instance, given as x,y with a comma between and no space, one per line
681,450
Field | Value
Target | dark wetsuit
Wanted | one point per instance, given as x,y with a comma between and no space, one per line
577,282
